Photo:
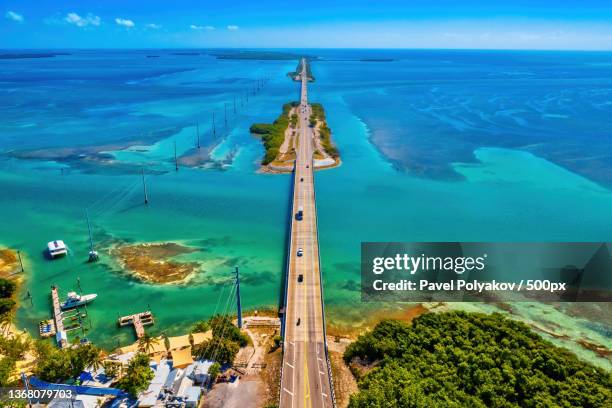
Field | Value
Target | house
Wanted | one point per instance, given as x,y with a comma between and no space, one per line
149,397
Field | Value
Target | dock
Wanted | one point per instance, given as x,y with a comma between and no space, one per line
138,320
60,336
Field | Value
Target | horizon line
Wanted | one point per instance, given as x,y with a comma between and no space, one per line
308,48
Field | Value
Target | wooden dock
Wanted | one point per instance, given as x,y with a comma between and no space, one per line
62,341
138,320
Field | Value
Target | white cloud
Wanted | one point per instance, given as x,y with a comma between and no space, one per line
232,27
11,15
153,26
89,19
125,22
196,27
209,28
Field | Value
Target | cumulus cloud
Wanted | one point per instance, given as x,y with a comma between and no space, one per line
153,26
196,27
88,20
232,27
11,15
124,22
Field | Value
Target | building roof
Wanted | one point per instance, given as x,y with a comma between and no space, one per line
181,358
148,398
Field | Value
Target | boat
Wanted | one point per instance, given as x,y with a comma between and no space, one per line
75,300
57,248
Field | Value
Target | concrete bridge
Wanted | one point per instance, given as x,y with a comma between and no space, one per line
306,375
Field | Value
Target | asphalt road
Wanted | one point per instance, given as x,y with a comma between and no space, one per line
305,381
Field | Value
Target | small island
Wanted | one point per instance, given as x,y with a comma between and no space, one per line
280,140
154,263
297,74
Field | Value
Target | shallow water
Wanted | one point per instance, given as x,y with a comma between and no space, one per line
431,150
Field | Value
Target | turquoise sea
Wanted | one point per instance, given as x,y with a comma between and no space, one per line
436,146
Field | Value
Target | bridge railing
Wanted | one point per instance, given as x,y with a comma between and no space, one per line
287,269
329,371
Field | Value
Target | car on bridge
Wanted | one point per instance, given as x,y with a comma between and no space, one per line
300,252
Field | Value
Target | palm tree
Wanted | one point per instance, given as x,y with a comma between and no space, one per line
5,322
147,343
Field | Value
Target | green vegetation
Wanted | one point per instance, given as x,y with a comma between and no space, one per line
225,342
463,359
147,343
294,74
55,365
7,288
12,350
138,375
200,327
213,372
219,349
273,134
318,114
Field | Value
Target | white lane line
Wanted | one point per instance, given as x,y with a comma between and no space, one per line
289,364
319,358
287,391
321,372
324,394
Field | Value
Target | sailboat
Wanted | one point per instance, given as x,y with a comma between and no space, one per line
93,254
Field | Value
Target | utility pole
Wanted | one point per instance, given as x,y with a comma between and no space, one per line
198,133
175,158
214,129
238,305
144,187
20,261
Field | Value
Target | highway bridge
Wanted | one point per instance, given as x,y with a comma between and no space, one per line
305,375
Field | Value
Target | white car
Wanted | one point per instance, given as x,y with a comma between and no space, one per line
300,252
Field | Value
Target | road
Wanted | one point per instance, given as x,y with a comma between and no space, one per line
305,380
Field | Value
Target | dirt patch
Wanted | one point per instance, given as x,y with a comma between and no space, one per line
153,262
404,314
344,381
8,262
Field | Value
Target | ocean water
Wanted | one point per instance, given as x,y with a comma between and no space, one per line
436,146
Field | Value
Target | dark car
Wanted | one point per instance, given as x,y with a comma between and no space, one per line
300,278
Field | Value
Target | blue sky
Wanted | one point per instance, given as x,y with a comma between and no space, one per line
497,24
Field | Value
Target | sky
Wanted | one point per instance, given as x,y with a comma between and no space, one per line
478,24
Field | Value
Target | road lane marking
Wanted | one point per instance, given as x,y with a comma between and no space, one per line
289,365
287,391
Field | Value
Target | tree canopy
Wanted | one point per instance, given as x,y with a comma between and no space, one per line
460,359
138,375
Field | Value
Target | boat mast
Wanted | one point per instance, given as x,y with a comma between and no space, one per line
144,187
93,255
214,130
198,133
175,158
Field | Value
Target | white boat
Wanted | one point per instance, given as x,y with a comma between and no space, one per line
57,248
74,300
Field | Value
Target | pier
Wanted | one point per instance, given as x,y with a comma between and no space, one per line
305,374
138,320
62,339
